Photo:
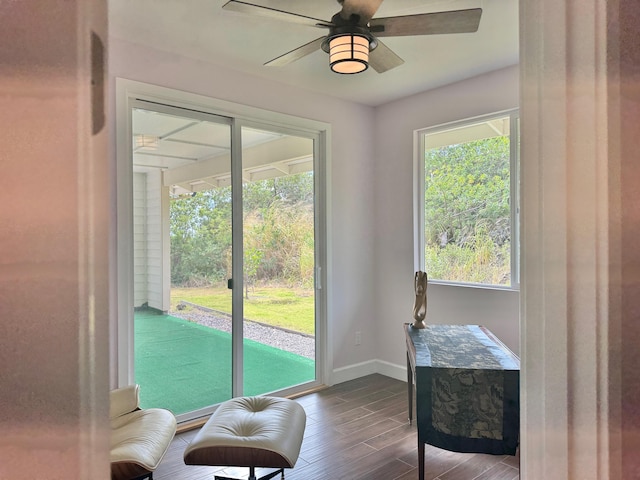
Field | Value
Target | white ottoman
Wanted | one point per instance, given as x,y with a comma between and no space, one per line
250,432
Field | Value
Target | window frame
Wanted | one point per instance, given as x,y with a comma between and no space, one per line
514,195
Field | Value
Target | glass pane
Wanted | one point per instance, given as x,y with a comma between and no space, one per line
279,261
467,211
182,237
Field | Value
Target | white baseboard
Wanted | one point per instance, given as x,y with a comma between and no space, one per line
392,370
351,372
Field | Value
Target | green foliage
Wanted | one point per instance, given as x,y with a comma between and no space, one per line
467,213
200,232
489,266
291,190
284,233
278,233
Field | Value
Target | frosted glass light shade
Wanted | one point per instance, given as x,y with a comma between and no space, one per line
146,141
349,53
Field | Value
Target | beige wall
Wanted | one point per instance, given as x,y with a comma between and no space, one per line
580,221
624,62
53,245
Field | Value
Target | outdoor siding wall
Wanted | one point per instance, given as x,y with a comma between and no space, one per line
139,238
154,240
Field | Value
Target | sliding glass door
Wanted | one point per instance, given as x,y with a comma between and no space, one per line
224,258
182,257
278,260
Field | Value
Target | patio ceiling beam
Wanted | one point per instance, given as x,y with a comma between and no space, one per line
282,168
500,126
291,167
277,151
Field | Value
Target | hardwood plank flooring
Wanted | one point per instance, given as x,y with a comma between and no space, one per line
357,430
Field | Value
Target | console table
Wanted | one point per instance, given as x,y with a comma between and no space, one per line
467,387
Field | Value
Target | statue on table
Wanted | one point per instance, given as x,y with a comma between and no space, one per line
420,305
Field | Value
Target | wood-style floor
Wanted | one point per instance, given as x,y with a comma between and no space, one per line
357,430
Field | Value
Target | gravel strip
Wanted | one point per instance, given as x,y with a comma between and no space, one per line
274,337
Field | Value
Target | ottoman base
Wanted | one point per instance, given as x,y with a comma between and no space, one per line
252,475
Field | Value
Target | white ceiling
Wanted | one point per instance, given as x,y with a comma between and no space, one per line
202,30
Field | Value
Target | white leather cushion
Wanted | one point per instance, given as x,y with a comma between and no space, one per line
123,400
250,431
142,437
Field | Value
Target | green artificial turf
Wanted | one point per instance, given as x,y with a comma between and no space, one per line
184,366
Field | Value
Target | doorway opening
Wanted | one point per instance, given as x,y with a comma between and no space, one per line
198,332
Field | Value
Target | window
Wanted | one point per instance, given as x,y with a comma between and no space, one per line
468,201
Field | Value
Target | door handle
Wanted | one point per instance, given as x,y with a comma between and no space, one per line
230,284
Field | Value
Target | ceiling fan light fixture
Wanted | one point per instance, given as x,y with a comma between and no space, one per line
349,53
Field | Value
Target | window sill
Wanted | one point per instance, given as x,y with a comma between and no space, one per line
450,283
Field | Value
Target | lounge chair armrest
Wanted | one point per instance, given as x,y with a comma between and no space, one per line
124,400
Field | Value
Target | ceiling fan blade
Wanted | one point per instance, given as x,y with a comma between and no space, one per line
365,9
253,9
296,54
382,58
454,21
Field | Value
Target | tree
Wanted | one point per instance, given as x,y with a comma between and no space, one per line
200,233
278,229
467,212
466,188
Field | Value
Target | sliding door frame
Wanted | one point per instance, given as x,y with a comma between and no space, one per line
127,93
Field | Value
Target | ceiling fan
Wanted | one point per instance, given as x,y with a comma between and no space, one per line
352,42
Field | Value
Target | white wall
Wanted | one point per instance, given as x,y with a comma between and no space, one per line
351,227
393,293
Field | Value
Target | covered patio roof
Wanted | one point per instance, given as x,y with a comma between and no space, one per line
195,155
